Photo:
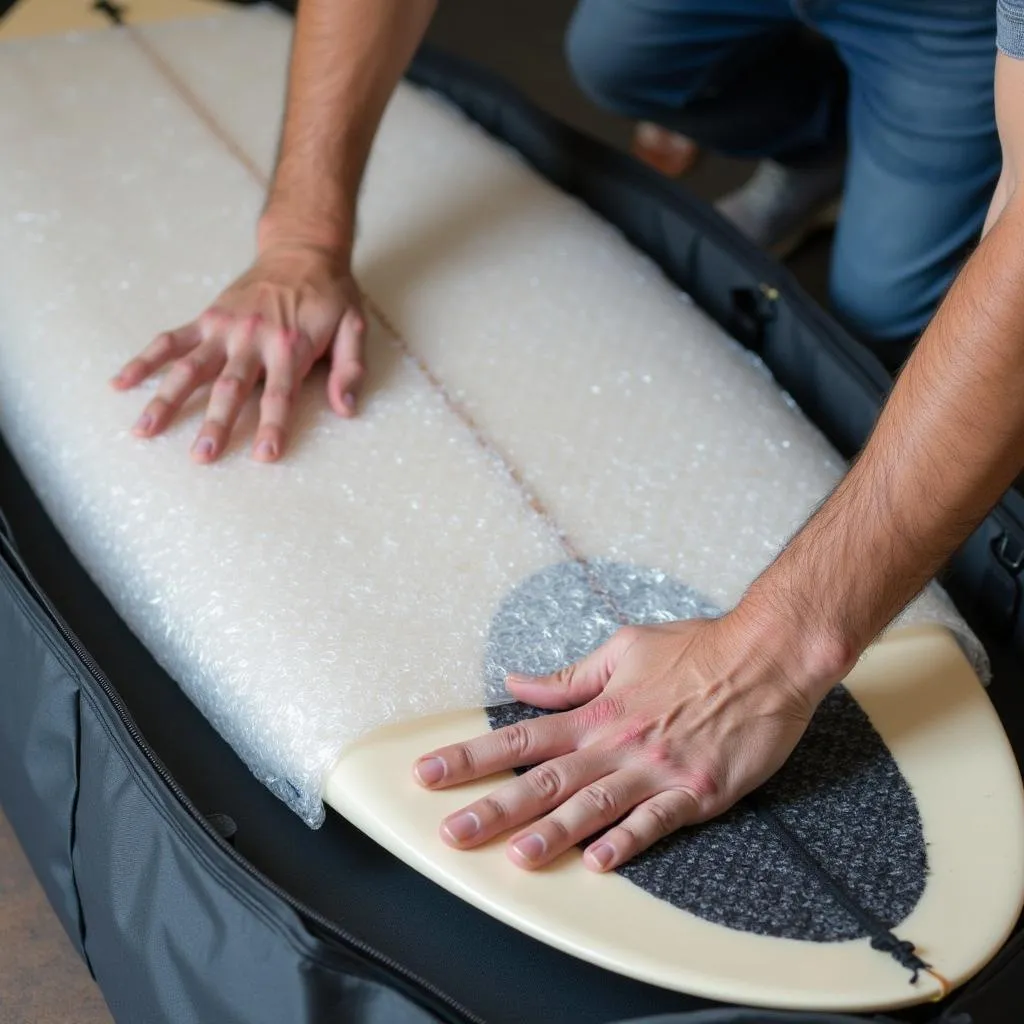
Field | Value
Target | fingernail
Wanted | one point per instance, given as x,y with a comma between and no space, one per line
517,677
204,446
430,770
602,854
530,847
266,450
145,422
349,400
463,826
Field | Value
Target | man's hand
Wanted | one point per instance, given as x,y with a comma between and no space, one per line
670,726
298,301
296,304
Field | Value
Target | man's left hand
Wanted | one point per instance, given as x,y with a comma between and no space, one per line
662,726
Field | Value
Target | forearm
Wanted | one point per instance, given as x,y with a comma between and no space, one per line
947,445
347,58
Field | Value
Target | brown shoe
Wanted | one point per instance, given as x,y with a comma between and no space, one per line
666,151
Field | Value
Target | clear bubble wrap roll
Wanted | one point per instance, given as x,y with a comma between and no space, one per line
539,392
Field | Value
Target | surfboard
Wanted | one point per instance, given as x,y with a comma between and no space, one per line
540,399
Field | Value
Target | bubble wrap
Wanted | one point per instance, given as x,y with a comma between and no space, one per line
566,611
302,605
648,433
298,605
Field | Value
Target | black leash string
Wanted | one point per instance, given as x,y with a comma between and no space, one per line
882,938
114,11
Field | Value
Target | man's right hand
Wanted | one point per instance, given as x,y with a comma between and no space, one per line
296,304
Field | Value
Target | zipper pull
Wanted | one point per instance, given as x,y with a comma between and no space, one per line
752,310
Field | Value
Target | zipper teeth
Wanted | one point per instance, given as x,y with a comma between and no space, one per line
346,938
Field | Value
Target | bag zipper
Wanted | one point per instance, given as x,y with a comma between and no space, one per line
345,938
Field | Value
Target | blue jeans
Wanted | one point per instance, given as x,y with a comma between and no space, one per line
903,87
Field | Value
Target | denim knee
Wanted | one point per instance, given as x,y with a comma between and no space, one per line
600,64
879,302
612,70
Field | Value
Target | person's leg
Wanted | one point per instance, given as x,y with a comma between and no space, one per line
741,77
923,162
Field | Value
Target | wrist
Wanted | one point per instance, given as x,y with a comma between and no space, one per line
804,648
280,226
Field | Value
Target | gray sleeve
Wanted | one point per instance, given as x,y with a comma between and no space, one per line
1010,31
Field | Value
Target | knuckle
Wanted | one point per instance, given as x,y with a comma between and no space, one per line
246,327
230,385
278,393
557,832
264,289
660,819
631,733
189,368
162,344
492,810
546,781
600,799
602,711
212,318
285,341
626,838
463,759
702,783
659,752
516,741
567,675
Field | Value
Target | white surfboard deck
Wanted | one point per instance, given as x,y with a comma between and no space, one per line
431,243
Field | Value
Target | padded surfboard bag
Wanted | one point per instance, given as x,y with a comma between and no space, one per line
194,895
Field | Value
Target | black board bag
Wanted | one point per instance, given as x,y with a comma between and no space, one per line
194,895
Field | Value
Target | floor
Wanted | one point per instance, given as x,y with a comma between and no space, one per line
42,981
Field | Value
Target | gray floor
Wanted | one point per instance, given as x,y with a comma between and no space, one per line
42,980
